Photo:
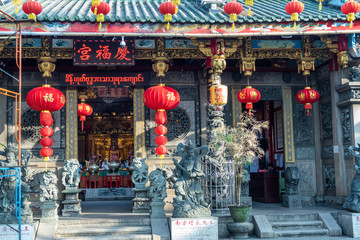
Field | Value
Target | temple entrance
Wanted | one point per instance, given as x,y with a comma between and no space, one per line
266,173
106,143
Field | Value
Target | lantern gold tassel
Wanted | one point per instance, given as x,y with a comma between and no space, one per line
320,6
294,17
99,25
16,10
32,16
46,159
249,12
168,26
294,27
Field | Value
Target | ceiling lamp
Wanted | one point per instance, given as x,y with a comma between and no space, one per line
350,8
32,8
233,9
167,9
294,8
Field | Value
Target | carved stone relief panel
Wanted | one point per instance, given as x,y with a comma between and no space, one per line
323,80
304,153
326,121
303,126
347,154
354,74
327,152
307,182
329,176
346,124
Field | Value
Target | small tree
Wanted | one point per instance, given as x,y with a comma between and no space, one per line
242,143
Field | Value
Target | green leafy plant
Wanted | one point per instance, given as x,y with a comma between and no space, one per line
240,143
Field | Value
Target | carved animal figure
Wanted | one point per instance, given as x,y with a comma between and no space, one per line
157,189
70,174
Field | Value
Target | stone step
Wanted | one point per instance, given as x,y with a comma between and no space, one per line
88,223
100,230
293,217
301,233
110,237
313,224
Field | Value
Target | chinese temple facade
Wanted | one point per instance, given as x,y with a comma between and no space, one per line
110,66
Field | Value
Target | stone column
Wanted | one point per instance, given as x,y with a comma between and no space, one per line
139,123
71,124
338,148
288,127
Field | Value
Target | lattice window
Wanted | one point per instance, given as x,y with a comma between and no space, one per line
178,124
30,129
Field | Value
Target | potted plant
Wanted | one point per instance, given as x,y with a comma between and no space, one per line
242,144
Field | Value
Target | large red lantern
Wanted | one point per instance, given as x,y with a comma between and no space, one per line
101,11
46,100
161,98
249,96
350,8
233,9
84,110
294,8
307,96
167,9
32,8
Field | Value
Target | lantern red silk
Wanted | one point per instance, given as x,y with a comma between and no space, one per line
32,8
95,4
161,98
249,96
350,8
84,110
167,9
46,100
101,11
294,8
233,9
307,96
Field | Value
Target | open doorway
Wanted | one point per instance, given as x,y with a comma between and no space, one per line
106,144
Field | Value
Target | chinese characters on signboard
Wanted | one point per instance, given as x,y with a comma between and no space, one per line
103,52
196,228
113,92
105,79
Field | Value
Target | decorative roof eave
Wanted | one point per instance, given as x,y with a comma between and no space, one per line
181,30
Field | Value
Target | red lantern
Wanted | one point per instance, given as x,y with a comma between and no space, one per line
167,9
307,96
101,11
350,8
84,110
161,98
95,4
294,8
233,9
249,96
218,95
32,8
161,150
46,100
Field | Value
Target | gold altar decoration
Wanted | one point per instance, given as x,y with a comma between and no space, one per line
343,59
247,66
305,65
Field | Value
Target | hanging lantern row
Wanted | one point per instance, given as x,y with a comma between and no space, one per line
100,10
168,9
307,96
350,8
46,99
294,8
32,8
84,110
161,99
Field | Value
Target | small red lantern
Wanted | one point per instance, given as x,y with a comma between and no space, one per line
350,8
167,9
32,8
307,96
161,98
294,8
101,11
249,96
46,100
84,110
233,9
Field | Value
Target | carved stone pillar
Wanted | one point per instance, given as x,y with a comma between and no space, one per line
139,123
71,124
288,125
46,66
